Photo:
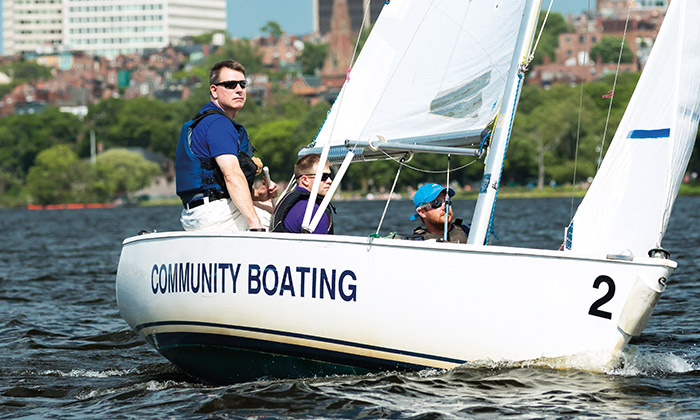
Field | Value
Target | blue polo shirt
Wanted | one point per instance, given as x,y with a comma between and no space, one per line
215,135
295,217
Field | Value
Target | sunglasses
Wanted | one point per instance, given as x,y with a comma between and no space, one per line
326,176
436,204
231,84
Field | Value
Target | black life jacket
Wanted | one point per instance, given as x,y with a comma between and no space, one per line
198,176
457,234
286,204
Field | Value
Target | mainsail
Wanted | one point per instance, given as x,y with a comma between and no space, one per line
628,206
430,72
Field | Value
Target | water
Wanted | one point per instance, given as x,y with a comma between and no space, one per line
66,353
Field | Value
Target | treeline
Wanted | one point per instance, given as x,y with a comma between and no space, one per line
44,158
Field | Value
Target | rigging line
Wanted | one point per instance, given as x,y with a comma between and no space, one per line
425,171
447,200
391,193
347,77
586,58
531,56
612,97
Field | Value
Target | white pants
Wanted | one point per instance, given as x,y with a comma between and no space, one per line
220,215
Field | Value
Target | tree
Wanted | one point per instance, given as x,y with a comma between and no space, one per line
312,57
276,147
272,28
22,137
119,172
608,51
139,122
58,177
240,50
550,129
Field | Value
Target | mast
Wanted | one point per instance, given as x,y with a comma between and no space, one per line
486,202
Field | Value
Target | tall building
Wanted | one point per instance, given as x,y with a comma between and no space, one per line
340,47
105,27
323,11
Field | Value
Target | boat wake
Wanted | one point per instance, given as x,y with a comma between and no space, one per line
631,362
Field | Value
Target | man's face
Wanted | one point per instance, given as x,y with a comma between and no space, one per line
229,99
307,180
435,217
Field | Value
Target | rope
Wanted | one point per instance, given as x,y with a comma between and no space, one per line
578,127
617,72
425,171
534,48
493,208
447,199
386,206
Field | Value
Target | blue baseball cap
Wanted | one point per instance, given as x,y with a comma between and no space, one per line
428,193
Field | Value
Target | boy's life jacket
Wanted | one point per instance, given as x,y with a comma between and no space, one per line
201,177
286,204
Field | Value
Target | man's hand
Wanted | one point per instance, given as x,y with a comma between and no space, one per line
263,193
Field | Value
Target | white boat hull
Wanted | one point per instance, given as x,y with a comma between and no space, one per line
229,307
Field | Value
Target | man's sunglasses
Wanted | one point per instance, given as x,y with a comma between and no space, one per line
231,84
326,176
436,204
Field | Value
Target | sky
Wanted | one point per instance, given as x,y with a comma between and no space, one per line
246,17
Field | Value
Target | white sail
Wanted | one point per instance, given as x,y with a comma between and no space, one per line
629,203
430,70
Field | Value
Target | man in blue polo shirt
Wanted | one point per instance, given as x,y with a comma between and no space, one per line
214,163
429,202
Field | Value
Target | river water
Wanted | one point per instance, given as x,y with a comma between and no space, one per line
66,353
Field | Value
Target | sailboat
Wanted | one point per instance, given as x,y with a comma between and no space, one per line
435,76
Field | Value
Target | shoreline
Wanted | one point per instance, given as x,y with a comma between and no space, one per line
565,191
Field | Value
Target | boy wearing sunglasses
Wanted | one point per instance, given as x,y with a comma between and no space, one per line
289,213
429,202
214,163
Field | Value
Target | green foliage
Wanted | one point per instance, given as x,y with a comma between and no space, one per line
240,50
26,71
119,172
22,137
277,141
555,25
58,177
608,51
548,134
272,28
139,122
312,57
206,38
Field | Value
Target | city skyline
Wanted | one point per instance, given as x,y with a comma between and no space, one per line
245,18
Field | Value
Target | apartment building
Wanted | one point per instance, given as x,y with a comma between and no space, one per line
105,27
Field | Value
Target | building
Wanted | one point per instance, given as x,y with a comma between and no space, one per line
103,27
323,11
572,63
619,8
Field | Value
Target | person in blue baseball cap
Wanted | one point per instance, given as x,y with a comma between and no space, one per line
429,201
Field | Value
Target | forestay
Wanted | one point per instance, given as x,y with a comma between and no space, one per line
430,71
628,206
